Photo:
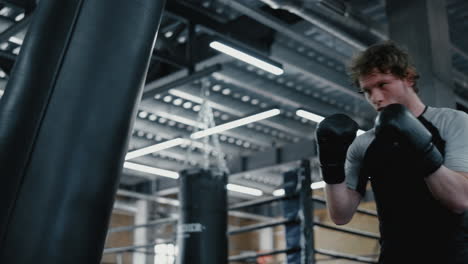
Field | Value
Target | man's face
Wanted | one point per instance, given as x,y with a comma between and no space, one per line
382,89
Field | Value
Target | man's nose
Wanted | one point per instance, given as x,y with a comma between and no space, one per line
376,96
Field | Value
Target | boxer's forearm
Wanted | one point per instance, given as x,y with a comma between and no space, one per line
341,202
450,187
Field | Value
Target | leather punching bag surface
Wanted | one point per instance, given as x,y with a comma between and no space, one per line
202,227
65,119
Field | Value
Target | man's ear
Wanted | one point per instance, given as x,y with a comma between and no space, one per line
410,78
409,81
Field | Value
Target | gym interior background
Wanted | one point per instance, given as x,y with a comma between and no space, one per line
191,86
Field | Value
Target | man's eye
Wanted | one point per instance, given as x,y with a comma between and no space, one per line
382,84
364,91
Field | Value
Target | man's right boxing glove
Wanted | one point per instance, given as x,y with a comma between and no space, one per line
395,124
334,136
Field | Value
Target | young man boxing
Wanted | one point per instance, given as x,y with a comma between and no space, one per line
415,158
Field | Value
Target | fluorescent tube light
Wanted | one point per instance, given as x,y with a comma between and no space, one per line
154,148
16,40
19,17
151,170
313,186
310,116
279,192
236,123
317,118
243,189
246,58
317,185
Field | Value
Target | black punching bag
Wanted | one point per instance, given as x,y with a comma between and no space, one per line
202,227
65,120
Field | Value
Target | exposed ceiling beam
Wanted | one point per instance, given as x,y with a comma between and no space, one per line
275,156
190,118
168,132
279,26
280,94
154,88
14,29
315,71
239,109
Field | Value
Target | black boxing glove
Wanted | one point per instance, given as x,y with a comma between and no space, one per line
396,125
334,136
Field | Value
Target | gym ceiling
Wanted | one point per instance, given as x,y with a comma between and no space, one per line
312,40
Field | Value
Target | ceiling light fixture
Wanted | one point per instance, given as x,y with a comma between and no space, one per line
279,192
202,133
154,148
360,131
318,118
151,170
317,185
236,123
16,40
19,17
313,186
255,60
175,175
243,189
310,116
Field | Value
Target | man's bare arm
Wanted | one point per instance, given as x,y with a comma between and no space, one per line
342,202
450,187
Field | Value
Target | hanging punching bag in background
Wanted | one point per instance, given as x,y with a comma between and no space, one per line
202,227
65,120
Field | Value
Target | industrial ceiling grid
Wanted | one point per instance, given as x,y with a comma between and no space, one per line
240,89
319,90
457,14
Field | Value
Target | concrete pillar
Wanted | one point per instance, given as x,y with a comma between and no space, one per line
422,27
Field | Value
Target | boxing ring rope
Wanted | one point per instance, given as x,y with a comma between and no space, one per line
245,257
149,224
262,201
358,210
348,230
304,197
334,254
255,227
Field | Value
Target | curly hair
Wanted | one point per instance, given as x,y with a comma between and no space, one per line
385,57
